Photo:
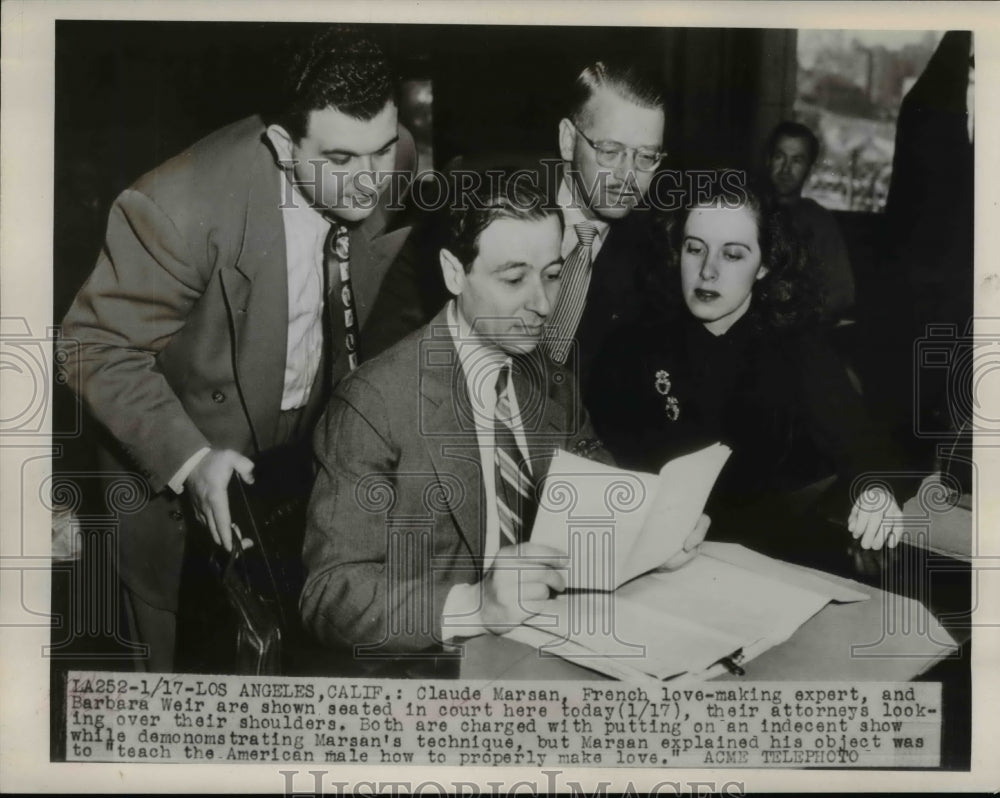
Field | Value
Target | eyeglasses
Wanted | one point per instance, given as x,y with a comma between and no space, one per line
610,153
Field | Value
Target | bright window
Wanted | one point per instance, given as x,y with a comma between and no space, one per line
849,89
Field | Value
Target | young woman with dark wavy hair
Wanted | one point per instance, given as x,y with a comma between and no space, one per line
732,350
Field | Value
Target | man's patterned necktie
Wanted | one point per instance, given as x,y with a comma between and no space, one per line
339,251
516,500
572,296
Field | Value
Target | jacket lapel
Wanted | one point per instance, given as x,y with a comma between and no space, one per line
373,249
536,380
449,433
256,289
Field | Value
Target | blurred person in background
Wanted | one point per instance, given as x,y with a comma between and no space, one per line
792,150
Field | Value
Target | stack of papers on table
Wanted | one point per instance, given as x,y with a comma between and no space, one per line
622,616
727,601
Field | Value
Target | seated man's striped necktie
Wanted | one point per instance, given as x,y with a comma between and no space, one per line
516,500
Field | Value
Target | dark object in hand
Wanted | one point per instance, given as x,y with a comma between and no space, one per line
258,629
240,613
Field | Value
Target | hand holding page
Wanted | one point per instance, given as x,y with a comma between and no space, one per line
617,524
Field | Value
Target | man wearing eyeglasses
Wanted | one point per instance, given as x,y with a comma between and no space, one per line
611,143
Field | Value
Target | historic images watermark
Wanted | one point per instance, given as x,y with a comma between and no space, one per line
669,189
323,783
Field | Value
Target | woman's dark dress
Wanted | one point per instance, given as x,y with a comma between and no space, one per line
781,401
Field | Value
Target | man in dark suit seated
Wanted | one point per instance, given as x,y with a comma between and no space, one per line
430,454
232,291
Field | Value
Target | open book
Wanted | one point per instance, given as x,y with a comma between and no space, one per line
727,602
617,524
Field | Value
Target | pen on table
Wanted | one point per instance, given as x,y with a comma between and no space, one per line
732,663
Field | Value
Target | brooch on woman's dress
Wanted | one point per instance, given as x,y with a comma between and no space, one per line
663,385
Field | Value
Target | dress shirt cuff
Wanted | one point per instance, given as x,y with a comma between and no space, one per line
461,616
176,484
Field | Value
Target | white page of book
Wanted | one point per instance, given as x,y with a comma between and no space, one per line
594,513
616,524
684,485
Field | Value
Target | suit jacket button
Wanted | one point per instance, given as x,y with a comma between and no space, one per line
218,397
176,515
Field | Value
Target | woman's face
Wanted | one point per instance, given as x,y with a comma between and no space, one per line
720,260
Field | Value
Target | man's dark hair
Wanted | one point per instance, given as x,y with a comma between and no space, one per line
793,130
627,80
497,197
338,66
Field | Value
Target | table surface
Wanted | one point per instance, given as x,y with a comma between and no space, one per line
940,522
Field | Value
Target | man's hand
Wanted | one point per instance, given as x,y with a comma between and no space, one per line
519,574
208,485
692,545
876,520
